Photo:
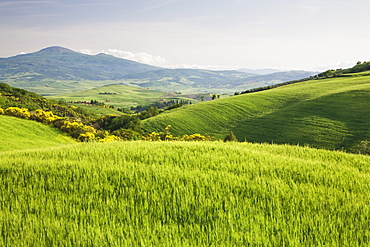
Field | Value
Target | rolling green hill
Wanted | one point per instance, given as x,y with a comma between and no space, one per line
330,113
19,134
183,194
196,193
120,96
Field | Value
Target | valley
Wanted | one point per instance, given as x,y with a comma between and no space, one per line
286,165
122,96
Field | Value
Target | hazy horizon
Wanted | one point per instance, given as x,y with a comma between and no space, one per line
298,35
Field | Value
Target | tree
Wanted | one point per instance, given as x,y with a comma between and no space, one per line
363,147
230,137
151,112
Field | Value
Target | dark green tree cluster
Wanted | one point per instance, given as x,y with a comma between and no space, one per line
363,148
166,105
359,67
127,127
230,137
329,74
150,112
215,96
253,90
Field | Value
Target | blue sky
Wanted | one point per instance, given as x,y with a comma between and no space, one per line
215,34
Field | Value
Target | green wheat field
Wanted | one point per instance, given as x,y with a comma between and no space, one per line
183,194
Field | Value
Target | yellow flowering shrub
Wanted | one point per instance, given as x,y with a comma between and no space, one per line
17,112
110,138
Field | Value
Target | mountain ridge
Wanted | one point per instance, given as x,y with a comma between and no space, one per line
260,71
60,63
49,70
56,49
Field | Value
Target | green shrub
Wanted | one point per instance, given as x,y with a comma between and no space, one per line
230,137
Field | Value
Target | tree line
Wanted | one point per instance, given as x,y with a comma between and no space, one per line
165,105
253,90
359,67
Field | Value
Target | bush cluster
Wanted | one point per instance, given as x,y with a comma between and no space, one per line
166,136
125,127
75,129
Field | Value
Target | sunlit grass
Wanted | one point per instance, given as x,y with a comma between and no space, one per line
183,194
331,113
16,133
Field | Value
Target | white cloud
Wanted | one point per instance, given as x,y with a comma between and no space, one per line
140,57
86,51
146,58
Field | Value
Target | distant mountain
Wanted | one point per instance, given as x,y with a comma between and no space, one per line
59,63
57,70
283,76
259,71
221,81
195,78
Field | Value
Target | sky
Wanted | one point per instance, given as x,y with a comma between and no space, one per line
208,34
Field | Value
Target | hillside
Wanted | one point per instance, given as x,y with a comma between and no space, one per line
330,113
183,194
17,97
19,134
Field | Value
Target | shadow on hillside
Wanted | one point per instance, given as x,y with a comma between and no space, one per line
333,121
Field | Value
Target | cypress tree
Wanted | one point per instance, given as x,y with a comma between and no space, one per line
230,137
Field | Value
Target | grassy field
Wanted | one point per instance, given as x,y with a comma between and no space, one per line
183,194
120,96
18,133
57,87
98,110
330,113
